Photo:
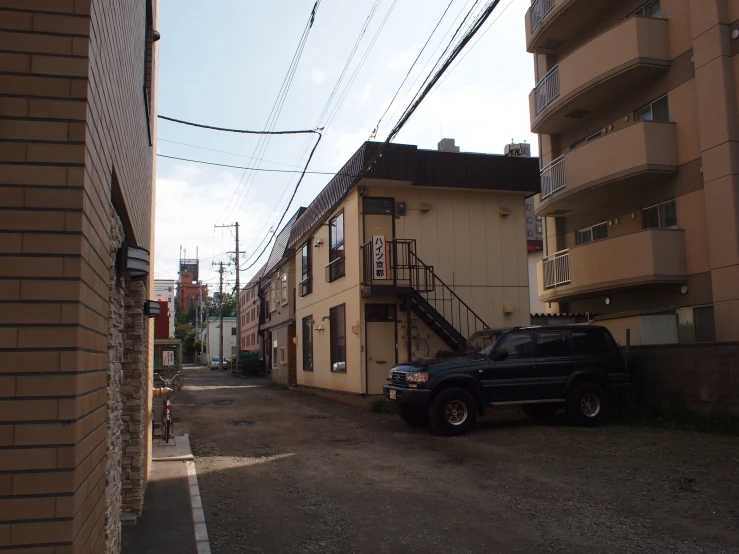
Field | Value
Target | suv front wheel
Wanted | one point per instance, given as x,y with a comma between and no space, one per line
587,404
453,411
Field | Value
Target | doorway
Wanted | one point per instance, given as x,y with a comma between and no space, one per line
381,352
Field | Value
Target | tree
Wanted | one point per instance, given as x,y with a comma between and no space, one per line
182,329
188,343
230,306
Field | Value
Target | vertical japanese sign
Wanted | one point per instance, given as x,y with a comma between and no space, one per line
168,358
379,257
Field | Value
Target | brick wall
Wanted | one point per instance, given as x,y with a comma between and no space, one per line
74,142
703,378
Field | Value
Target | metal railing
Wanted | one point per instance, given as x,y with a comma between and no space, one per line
539,10
556,269
335,270
553,177
305,286
405,268
547,89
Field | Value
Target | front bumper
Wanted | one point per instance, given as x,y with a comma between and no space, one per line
404,395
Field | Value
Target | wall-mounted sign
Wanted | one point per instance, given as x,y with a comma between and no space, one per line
379,257
168,358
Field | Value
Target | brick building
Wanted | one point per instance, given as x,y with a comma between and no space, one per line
188,291
77,136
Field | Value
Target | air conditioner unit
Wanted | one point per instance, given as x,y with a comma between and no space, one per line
518,150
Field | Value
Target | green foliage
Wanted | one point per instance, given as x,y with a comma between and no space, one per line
197,343
229,306
188,342
181,330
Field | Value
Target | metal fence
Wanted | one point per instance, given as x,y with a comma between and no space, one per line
539,10
557,269
547,89
553,177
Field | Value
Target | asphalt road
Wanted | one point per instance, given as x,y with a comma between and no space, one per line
283,471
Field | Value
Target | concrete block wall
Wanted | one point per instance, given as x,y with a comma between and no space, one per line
74,143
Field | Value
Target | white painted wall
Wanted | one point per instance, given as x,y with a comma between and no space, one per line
230,343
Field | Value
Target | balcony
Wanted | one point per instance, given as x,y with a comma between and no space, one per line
549,23
647,257
609,66
633,157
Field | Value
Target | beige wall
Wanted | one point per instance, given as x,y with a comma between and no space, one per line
472,248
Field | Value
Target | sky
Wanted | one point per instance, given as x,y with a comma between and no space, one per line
224,66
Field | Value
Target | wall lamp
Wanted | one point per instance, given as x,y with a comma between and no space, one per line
133,261
152,308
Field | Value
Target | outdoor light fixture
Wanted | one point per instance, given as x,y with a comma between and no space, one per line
155,36
133,261
152,308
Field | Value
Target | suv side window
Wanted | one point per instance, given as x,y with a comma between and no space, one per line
590,341
551,344
518,346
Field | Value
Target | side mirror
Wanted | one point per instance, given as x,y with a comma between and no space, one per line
500,355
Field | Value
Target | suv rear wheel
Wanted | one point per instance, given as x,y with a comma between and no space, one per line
541,412
587,404
453,411
413,415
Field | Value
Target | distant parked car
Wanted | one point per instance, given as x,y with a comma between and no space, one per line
543,369
215,363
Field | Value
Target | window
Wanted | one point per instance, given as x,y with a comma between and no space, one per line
528,206
338,338
551,344
590,341
538,218
538,229
650,9
529,220
590,234
273,297
589,138
308,343
529,233
518,345
658,110
306,285
335,267
696,325
274,353
283,358
661,216
233,331
283,288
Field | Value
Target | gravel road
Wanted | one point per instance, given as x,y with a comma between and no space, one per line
283,471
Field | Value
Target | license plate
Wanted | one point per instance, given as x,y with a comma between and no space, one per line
393,394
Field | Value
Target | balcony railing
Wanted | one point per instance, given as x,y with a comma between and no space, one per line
553,177
539,10
557,269
547,89
335,270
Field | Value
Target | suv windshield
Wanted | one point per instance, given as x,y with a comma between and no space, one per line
482,342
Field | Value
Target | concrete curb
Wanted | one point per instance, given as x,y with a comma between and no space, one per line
198,516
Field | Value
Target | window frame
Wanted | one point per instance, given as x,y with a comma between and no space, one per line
577,233
307,332
336,267
507,337
283,289
306,268
650,105
659,215
590,138
563,333
335,338
643,10
274,352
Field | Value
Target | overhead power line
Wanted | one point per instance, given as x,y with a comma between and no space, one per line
242,131
223,152
251,168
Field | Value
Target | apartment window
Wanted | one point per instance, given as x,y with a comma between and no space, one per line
306,285
308,343
657,110
538,229
233,331
538,218
590,234
338,338
253,313
273,297
661,216
283,358
529,220
283,289
274,353
528,206
589,138
529,233
335,267
650,9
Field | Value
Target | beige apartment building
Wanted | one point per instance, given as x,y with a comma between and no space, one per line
636,109
77,145
427,248
249,311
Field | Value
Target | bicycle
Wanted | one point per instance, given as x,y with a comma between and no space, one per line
166,392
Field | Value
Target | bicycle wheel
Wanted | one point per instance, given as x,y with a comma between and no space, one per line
165,430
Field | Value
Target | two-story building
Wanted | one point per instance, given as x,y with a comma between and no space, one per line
277,324
249,310
424,249
636,108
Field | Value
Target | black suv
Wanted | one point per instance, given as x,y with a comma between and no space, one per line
578,368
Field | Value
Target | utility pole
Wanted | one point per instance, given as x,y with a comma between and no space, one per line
235,369
202,338
220,310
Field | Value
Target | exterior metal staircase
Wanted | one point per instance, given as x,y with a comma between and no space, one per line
431,299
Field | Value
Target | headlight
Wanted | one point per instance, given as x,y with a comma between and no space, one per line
417,377
390,375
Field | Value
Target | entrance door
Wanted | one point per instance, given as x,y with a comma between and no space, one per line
379,344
